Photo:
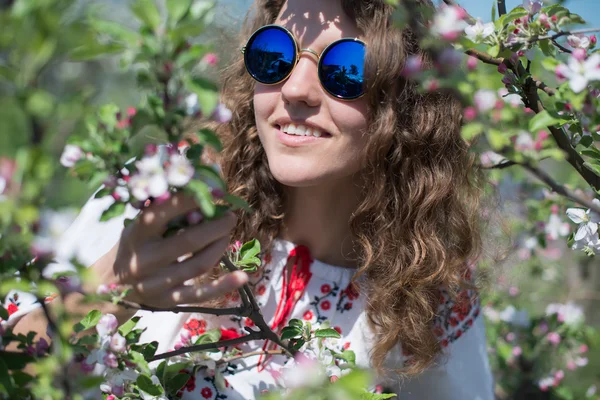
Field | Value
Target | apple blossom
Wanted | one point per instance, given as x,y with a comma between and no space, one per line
485,99
556,228
533,6
118,343
479,31
449,22
148,396
490,158
110,360
583,348
107,325
587,220
579,72
491,313
553,338
472,63
412,66
517,351
222,114
179,171
569,313
191,104
511,98
546,383
210,59
70,155
591,391
524,142
578,41
470,113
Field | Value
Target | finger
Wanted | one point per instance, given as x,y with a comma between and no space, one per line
162,251
177,273
153,220
211,290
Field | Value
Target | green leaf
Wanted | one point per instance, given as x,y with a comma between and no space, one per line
550,63
586,141
147,12
177,9
470,130
541,121
210,336
298,344
116,30
3,313
6,379
209,138
145,383
211,176
497,139
547,48
128,326
141,362
203,196
150,350
40,103
21,378
327,333
16,361
493,50
347,355
290,333
250,249
236,202
377,396
208,96
493,11
89,321
294,322
116,209
91,52
177,382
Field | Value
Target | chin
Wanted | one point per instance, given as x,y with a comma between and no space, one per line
297,173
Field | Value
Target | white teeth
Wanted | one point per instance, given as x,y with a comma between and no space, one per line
300,130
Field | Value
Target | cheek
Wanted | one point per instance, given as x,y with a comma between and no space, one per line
265,102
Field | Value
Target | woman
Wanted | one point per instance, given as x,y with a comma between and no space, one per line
374,216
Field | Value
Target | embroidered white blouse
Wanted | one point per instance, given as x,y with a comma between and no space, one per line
462,371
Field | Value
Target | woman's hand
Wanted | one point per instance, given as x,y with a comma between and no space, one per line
146,261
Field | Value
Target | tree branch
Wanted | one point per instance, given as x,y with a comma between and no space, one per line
560,46
250,354
501,165
254,335
185,309
566,33
501,7
560,189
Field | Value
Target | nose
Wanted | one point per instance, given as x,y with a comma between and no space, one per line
302,86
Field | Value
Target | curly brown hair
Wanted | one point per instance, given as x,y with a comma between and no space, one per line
419,220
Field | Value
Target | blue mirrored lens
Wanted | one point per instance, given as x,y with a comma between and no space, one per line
342,69
270,55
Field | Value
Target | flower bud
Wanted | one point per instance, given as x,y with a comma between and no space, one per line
593,39
210,59
71,154
502,68
118,343
470,113
107,325
110,360
579,54
472,63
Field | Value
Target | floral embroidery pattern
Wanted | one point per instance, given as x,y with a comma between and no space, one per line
321,304
190,385
455,317
195,327
348,295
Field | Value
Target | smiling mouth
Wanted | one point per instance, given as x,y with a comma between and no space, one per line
302,130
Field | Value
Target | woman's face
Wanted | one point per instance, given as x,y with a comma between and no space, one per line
301,100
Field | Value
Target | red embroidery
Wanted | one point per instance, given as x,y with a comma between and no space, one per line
190,385
206,393
325,288
12,308
326,305
308,315
261,290
346,345
195,327
338,329
249,323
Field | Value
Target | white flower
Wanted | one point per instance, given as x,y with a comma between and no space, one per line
107,325
569,313
578,41
591,391
485,99
70,155
587,220
118,343
191,104
147,396
511,98
580,73
151,165
491,313
222,114
179,171
208,359
489,158
448,22
3,184
546,382
524,142
556,228
144,186
514,317
115,378
303,372
533,6
480,31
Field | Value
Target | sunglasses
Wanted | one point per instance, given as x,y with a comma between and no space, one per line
271,54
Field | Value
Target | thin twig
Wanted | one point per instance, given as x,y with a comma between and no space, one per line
184,309
501,165
501,7
560,46
250,354
255,335
560,189
566,33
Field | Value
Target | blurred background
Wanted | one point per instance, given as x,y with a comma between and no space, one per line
531,277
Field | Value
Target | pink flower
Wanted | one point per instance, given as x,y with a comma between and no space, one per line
412,66
449,22
470,113
71,154
517,351
571,366
118,343
583,348
553,338
472,63
107,325
513,291
221,114
210,59
110,360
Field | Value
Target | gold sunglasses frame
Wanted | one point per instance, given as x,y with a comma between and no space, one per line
297,53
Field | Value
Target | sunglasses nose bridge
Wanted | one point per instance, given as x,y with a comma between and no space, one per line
311,51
